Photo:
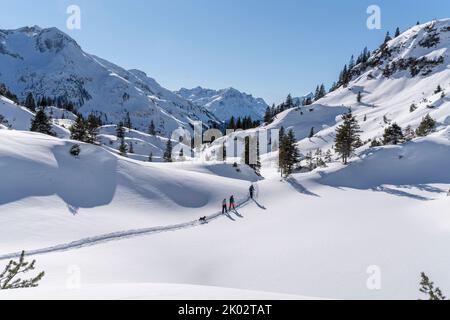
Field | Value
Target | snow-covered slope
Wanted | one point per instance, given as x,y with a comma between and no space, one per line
415,70
316,234
143,144
19,118
41,181
405,73
49,63
226,103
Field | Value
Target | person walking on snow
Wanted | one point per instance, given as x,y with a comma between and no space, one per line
252,191
232,204
224,206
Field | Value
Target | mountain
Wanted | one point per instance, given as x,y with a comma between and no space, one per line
47,62
226,103
398,84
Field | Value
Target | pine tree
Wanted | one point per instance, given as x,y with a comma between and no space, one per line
387,38
268,115
152,129
281,134
92,124
311,133
131,148
409,133
426,126
120,131
41,123
347,137
316,94
359,97
168,151
438,89
412,108
75,150
375,143
289,155
309,158
150,157
289,102
427,288
239,123
322,91
319,158
232,124
30,104
9,276
328,156
78,130
393,135
397,32
123,149
42,102
351,63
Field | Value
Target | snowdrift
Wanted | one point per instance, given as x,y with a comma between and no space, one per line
418,162
48,196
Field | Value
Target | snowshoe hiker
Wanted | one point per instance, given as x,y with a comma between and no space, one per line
232,204
252,191
224,206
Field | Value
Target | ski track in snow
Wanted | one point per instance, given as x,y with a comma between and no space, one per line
121,235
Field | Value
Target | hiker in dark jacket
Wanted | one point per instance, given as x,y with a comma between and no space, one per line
252,191
232,204
224,206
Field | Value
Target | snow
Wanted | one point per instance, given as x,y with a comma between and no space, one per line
19,118
42,178
381,97
301,237
226,103
48,62
145,292
132,229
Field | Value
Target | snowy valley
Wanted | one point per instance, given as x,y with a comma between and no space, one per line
130,227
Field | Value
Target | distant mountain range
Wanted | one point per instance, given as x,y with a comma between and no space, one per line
226,103
47,62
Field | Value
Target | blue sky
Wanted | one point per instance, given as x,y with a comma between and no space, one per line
265,47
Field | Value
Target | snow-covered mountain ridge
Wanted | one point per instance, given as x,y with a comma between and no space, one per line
47,62
226,103
399,83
